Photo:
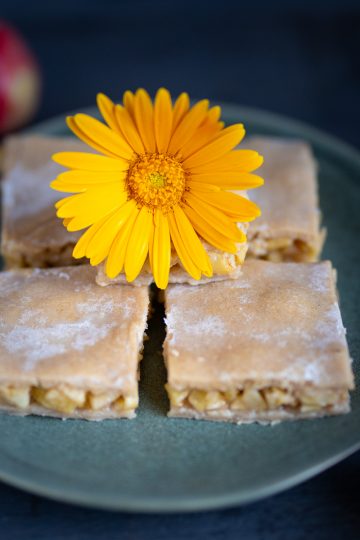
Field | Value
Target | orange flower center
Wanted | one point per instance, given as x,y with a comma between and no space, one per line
157,181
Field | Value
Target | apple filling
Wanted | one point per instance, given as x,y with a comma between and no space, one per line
222,263
66,399
283,250
43,259
253,398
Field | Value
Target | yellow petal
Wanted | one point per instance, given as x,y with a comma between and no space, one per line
91,178
203,135
181,107
129,129
102,135
161,250
229,180
193,185
116,257
192,243
236,160
107,109
138,246
99,246
66,222
214,217
188,126
74,186
180,248
61,202
234,206
86,138
214,114
89,162
225,141
209,233
144,116
67,188
162,119
80,248
94,204
128,101
151,243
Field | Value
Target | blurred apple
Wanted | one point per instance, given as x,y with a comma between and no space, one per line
19,80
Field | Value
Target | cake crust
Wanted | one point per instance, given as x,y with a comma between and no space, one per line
249,417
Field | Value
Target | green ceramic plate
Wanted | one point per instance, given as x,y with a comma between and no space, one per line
157,464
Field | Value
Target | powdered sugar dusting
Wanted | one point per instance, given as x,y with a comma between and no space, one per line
319,278
50,313
53,340
103,306
27,192
63,275
276,322
329,329
289,171
210,325
100,306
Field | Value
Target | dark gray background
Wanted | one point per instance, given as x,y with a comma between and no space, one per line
299,58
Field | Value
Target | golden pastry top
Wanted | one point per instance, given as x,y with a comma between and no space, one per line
58,326
288,198
274,324
29,215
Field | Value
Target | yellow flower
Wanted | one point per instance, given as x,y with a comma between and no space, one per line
162,181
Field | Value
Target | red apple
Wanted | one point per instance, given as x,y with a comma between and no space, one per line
19,80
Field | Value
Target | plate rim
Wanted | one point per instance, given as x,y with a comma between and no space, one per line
162,504
347,150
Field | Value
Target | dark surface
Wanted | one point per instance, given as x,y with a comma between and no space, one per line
323,509
296,58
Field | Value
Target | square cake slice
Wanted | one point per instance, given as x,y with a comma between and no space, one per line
32,235
67,347
289,227
268,346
